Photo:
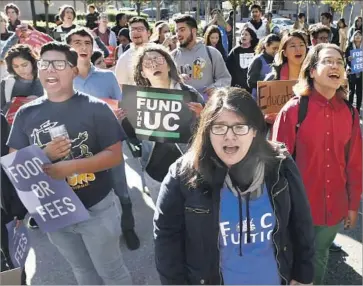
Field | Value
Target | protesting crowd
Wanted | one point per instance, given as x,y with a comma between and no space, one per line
252,153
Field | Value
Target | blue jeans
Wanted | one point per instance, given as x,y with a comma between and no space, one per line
92,247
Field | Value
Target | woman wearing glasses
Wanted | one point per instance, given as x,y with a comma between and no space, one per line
233,209
155,68
23,76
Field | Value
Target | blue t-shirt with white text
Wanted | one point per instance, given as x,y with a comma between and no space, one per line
257,265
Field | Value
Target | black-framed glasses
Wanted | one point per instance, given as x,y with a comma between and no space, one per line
331,62
238,129
137,29
58,65
148,63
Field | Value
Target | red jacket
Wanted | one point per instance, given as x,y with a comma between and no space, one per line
328,155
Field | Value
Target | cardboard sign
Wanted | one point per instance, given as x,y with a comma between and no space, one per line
52,203
11,277
113,103
35,39
157,114
110,60
357,61
16,103
19,243
272,95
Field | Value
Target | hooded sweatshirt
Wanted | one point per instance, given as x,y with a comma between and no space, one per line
352,46
203,70
354,28
246,225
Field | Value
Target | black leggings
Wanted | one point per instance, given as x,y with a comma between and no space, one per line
355,87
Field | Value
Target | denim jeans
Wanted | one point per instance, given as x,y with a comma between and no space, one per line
121,190
92,247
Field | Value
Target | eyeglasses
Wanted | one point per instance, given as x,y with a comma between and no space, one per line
323,38
148,63
331,63
58,65
238,129
138,29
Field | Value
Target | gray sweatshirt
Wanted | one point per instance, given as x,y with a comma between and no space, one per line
203,71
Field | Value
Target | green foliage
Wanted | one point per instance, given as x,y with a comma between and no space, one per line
338,5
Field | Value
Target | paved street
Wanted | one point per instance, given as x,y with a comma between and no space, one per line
45,266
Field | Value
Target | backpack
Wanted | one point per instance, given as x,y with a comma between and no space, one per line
303,110
211,59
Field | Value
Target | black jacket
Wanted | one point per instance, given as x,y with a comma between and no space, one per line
91,20
10,202
186,227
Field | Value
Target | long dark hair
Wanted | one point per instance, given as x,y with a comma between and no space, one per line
173,73
211,30
306,83
254,39
201,159
25,52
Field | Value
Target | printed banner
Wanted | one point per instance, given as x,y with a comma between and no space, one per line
19,243
110,60
16,103
157,114
357,61
35,39
52,203
272,95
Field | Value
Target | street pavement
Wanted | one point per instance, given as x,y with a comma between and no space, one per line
45,266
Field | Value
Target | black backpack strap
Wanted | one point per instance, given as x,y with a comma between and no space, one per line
303,110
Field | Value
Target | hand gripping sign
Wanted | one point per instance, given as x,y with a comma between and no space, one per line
52,203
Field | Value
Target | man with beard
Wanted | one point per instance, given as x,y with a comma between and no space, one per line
139,34
256,24
202,67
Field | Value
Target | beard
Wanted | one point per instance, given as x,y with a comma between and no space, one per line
187,41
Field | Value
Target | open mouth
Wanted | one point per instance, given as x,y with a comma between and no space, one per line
230,149
334,76
156,73
51,80
83,55
298,56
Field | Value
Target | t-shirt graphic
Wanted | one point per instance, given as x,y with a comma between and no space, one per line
245,60
196,71
79,149
257,255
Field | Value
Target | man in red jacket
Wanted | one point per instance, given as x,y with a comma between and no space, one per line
327,147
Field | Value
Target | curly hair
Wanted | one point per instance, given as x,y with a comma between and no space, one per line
25,52
173,73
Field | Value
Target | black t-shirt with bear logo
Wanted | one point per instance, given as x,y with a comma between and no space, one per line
91,126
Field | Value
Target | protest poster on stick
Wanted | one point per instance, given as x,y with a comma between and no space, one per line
52,203
35,39
157,114
15,104
357,60
19,243
272,95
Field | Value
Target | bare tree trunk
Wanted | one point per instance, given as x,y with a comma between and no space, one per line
138,7
34,15
182,7
307,13
351,14
198,12
234,26
75,5
158,4
46,10
207,8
